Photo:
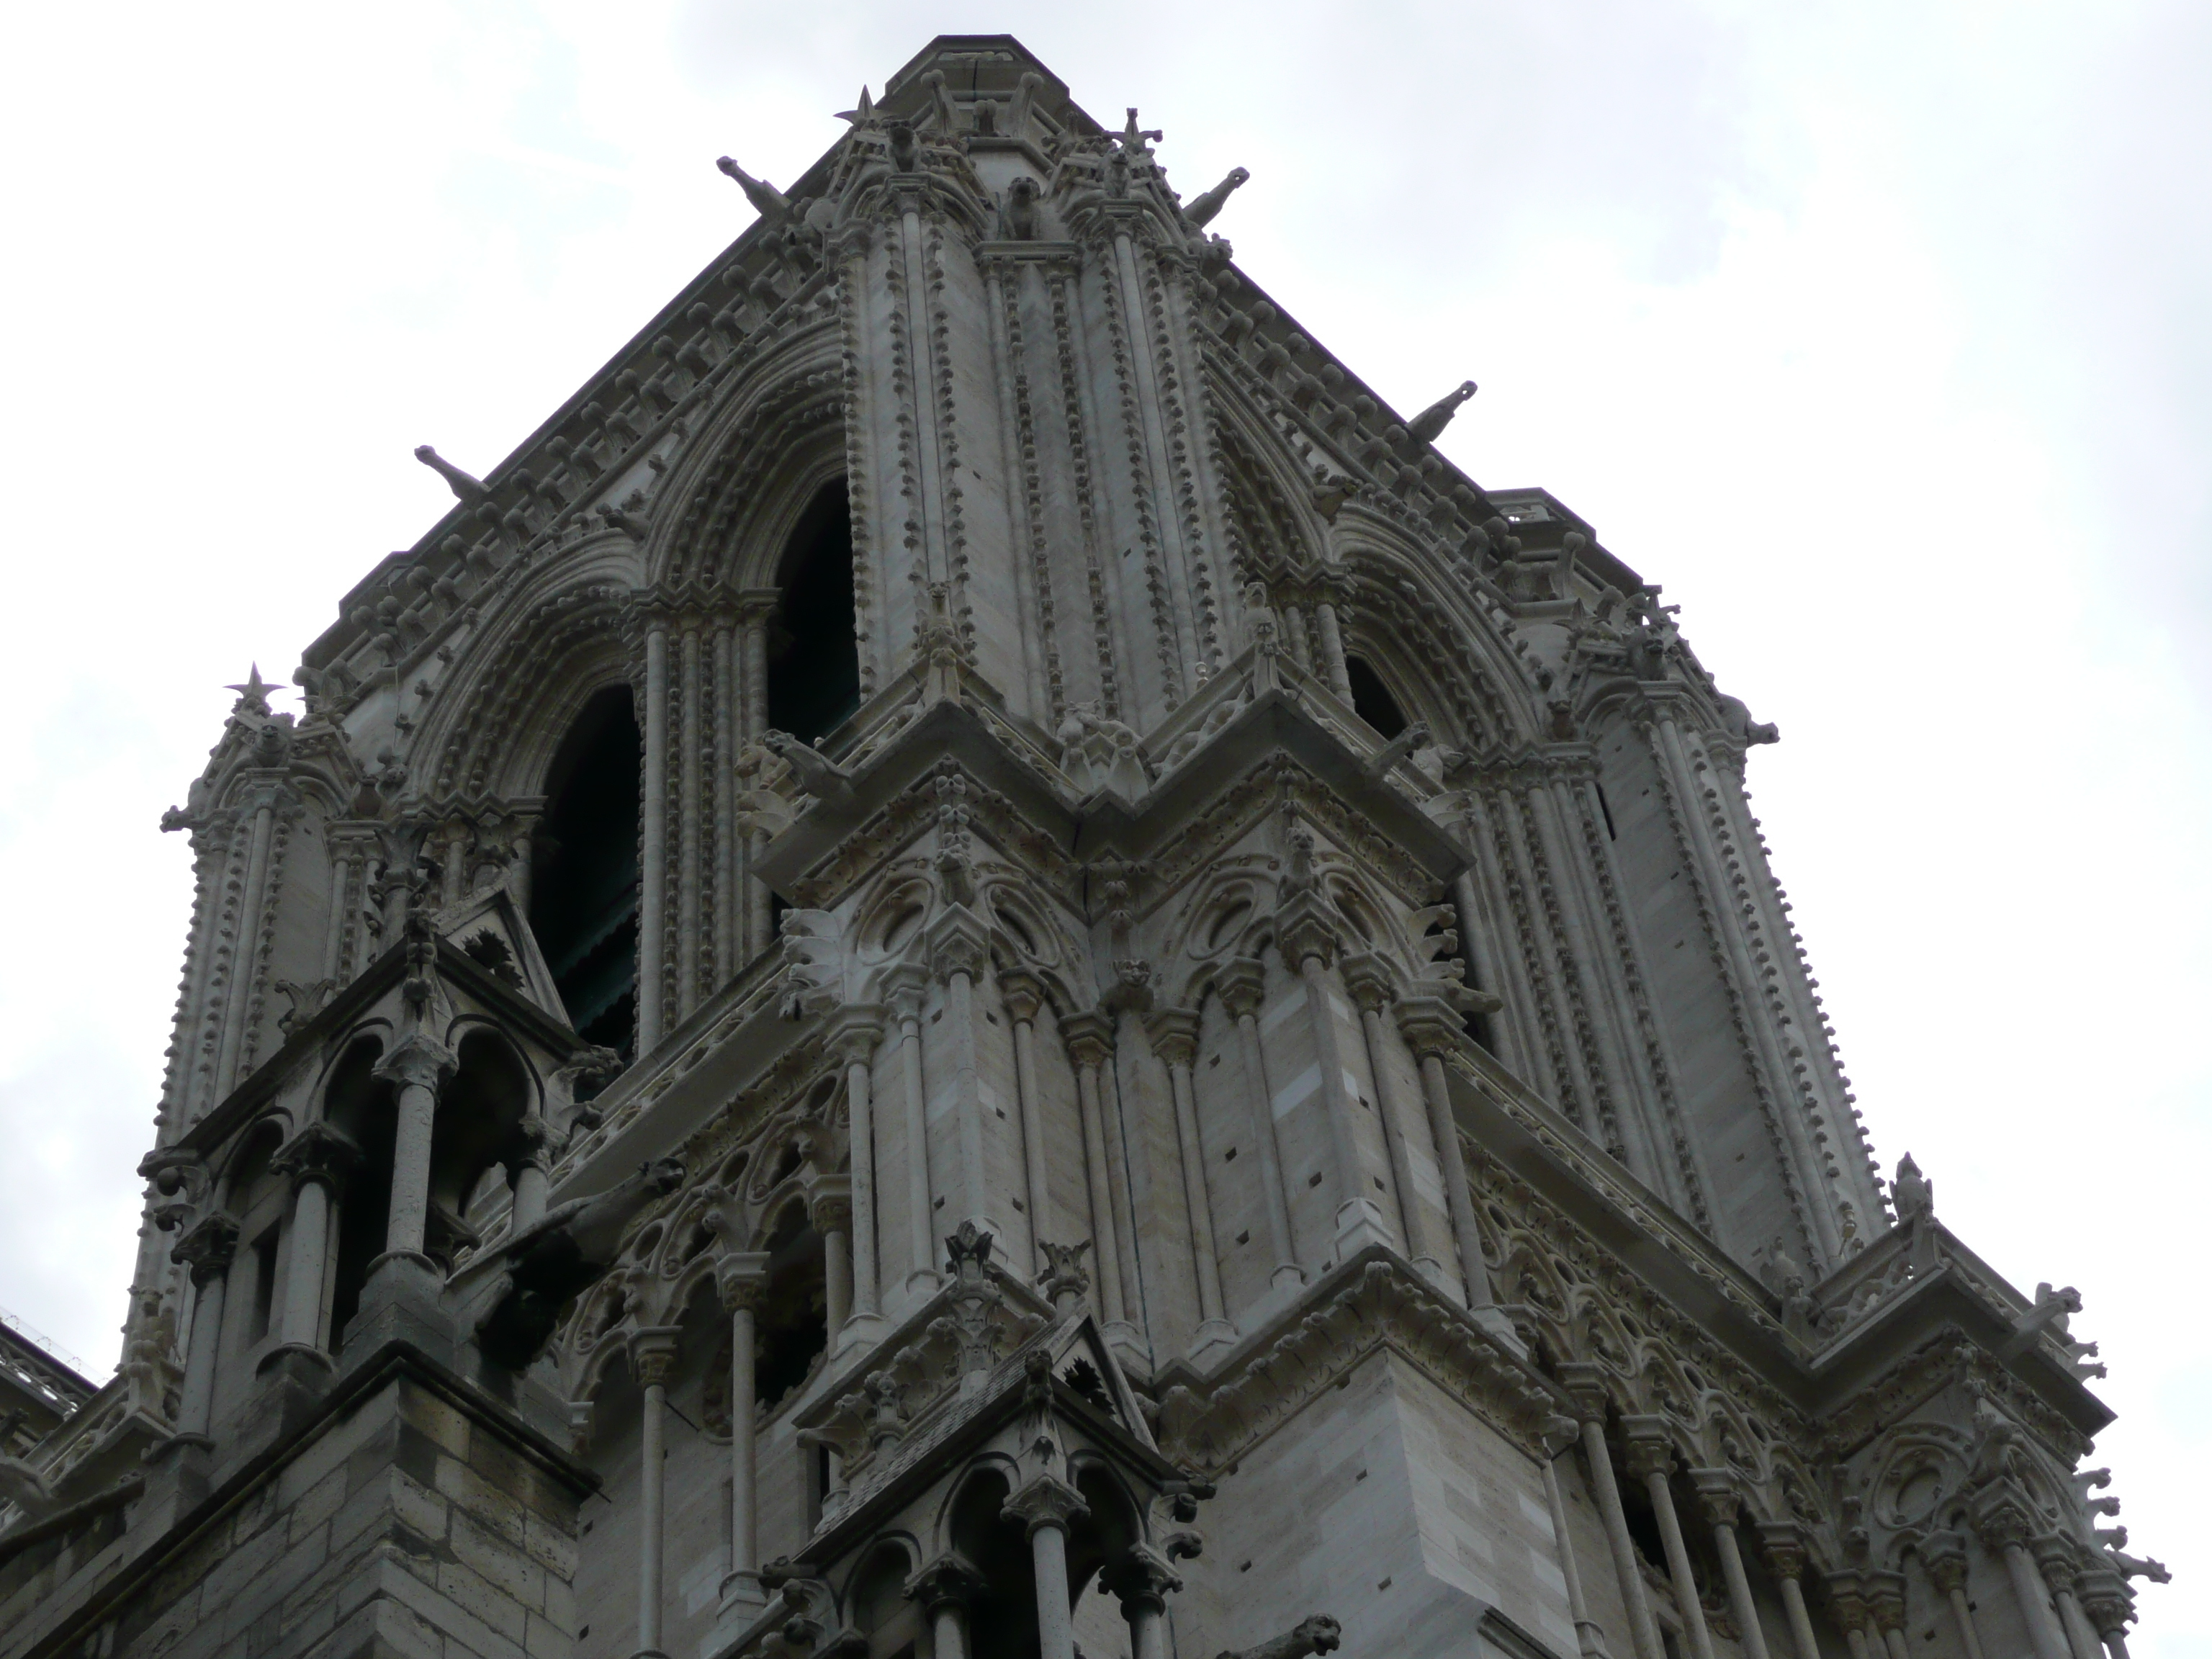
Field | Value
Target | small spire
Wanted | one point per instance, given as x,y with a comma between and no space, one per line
252,694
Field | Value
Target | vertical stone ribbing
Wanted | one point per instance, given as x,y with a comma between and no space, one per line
948,437
209,853
870,634
726,962
265,939
1165,641
1695,1181
1528,843
1181,463
691,870
1030,497
1542,971
913,533
1796,1154
1071,381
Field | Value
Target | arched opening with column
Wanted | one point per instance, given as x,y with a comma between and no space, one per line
358,1104
1002,1618
584,888
813,653
474,1137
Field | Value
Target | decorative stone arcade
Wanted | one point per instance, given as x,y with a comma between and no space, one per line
978,966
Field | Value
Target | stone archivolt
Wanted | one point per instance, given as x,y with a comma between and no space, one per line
1104,1064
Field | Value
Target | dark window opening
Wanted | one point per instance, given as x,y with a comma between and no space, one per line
584,875
265,1285
1371,700
1002,1620
359,1106
480,1113
792,1323
813,659
1605,806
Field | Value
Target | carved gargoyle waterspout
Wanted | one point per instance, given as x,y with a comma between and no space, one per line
554,1260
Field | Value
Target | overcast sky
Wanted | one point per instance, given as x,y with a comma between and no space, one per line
1877,333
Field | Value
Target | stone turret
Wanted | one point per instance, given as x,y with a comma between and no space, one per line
979,960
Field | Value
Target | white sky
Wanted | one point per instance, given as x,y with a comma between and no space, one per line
1876,331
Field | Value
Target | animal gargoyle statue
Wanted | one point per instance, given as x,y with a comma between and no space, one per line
19,1484
515,1295
1318,1634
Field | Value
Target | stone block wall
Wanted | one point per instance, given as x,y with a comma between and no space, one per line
401,1523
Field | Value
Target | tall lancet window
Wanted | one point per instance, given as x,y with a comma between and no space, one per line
584,880
1371,700
813,660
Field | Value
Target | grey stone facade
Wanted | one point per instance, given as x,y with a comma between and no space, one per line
978,966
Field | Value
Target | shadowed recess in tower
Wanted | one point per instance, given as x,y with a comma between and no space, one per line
584,874
813,663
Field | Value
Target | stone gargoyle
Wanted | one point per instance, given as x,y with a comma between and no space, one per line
511,1296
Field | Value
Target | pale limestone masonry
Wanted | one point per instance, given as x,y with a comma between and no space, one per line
977,965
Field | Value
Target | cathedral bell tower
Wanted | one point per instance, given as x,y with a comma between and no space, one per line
977,965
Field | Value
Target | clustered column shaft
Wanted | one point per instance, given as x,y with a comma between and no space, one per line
1175,1040
1717,1496
419,1066
906,1001
1651,1458
1241,987
652,864
742,1286
653,1355
1090,1041
1024,998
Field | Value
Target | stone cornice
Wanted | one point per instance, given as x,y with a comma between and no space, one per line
1372,1303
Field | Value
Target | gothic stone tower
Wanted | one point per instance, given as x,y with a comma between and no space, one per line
976,964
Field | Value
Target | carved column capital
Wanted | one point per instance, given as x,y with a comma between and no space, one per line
2057,1559
1371,981
1047,1501
318,1152
1089,1037
1431,1025
958,944
948,1581
2107,1600
2000,1518
856,1031
1023,992
741,1279
207,1247
652,1352
1174,1032
1305,928
1782,1544
1944,1555
1650,1445
830,1208
1585,1385
1884,1595
420,1061
904,988
1718,1500
1242,984
1142,1580
1847,1596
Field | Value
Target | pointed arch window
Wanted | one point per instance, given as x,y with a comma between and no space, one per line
584,871
813,657
1372,700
